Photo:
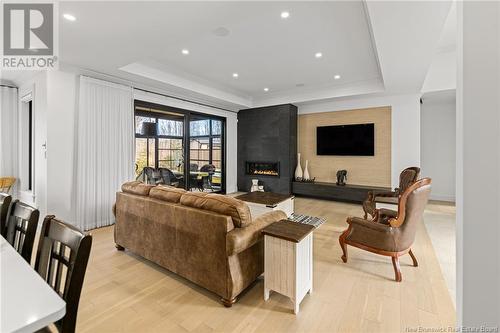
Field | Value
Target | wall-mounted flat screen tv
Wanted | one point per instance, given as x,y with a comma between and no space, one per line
346,140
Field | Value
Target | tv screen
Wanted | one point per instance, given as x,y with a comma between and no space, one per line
346,140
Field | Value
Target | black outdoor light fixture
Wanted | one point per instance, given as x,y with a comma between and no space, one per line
149,130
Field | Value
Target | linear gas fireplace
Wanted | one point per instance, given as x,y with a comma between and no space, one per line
263,168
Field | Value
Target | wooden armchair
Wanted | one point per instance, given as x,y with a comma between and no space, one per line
407,177
392,235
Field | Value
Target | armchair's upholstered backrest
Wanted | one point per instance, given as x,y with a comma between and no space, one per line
407,177
413,202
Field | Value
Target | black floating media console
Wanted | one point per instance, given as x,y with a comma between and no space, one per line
332,191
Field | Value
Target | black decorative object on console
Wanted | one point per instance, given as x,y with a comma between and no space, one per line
341,177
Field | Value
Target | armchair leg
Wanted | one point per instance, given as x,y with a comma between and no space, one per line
397,269
415,262
343,245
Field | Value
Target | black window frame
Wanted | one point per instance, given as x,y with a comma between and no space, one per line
188,114
30,145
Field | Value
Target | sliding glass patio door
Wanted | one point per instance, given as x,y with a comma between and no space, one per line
179,148
205,153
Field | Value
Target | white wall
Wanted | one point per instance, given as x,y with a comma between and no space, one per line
438,122
442,74
478,164
405,124
231,130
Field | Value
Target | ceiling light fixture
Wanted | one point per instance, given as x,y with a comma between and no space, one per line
336,77
185,51
235,75
285,15
266,89
318,55
69,17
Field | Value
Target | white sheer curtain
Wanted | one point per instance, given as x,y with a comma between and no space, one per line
9,125
105,149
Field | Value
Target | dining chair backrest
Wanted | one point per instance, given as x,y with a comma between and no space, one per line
150,175
5,201
61,260
210,168
168,177
21,225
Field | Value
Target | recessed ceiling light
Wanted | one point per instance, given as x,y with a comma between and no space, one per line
69,17
266,89
285,15
185,51
298,85
235,75
336,77
318,55
221,32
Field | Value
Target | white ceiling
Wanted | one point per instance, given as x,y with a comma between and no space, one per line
374,46
264,49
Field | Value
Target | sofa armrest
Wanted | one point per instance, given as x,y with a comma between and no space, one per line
240,239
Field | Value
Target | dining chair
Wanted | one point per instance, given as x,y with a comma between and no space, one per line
5,201
206,181
61,260
21,225
6,184
168,177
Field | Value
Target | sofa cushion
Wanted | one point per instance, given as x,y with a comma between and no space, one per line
237,209
137,187
167,193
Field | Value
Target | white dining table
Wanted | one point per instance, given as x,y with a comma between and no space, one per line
28,303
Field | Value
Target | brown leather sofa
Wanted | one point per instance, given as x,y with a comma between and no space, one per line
209,239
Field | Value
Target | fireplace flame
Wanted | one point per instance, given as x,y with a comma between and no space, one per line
265,172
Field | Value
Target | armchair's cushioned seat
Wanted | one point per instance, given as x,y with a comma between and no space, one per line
237,209
167,193
137,187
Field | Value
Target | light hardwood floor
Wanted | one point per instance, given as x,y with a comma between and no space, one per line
124,293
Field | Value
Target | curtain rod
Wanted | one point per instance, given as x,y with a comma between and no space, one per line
184,100
7,86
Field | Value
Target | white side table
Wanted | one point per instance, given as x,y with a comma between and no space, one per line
288,260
